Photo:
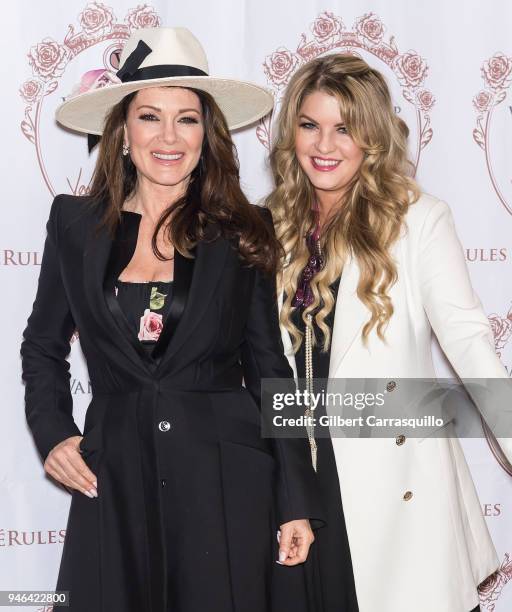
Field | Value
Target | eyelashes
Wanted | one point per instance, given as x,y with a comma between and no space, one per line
187,119
191,120
307,125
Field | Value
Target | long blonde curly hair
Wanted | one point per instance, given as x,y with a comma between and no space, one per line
369,218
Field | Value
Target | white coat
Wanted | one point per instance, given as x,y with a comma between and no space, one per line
427,551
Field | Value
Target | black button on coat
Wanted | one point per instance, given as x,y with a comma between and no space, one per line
222,328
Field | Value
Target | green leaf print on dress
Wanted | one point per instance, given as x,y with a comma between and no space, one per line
156,299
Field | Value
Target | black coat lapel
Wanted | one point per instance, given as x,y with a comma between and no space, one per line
121,252
100,261
207,270
183,273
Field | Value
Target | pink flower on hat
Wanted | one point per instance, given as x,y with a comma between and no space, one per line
95,79
150,325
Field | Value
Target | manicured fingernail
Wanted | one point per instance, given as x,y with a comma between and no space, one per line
89,494
94,492
95,484
278,536
282,556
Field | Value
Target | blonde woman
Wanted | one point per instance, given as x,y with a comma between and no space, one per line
371,267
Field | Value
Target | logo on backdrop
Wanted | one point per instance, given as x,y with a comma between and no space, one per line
10,257
492,121
491,588
486,255
98,39
406,71
15,537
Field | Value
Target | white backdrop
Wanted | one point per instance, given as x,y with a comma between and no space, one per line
450,68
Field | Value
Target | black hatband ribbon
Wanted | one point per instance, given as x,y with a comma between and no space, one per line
131,71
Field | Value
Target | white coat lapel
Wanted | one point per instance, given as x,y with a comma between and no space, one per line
349,317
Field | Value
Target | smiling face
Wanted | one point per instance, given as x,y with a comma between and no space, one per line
324,149
164,130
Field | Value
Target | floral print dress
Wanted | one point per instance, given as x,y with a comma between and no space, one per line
145,306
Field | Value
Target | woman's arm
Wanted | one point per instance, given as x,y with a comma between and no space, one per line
45,370
263,357
458,320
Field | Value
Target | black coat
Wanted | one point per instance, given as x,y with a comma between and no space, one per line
235,486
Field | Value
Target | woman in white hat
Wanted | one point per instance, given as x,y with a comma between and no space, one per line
167,272
371,267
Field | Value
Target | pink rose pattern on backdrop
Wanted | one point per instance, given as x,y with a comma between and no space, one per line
329,35
96,18
502,330
483,100
491,588
150,325
371,28
48,59
280,66
143,17
497,71
497,76
412,69
425,99
31,90
326,27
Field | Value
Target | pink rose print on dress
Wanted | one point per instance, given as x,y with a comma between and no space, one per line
326,27
150,325
280,65
143,17
497,71
483,101
412,69
371,28
490,589
96,18
48,59
31,90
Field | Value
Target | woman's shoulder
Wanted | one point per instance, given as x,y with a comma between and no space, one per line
71,209
426,208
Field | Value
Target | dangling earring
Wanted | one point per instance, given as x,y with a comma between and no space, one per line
126,149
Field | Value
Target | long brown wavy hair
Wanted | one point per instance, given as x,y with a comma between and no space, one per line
369,218
213,198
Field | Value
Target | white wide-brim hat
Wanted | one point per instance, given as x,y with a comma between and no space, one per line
154,57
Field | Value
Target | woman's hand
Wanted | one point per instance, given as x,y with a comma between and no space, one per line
65,464
294,541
